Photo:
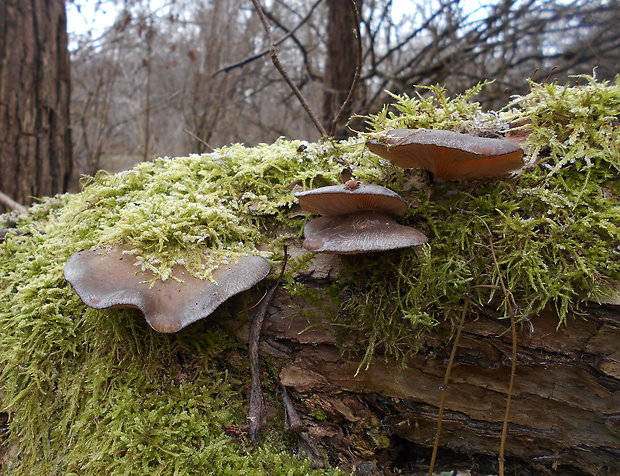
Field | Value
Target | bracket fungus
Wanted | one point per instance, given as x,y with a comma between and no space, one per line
448,155
109,278
356,220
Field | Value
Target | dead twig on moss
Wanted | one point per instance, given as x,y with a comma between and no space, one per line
12,204
257,403
513,366
276,62
444,387
511,307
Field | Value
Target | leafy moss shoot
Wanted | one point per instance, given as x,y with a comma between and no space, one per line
98,392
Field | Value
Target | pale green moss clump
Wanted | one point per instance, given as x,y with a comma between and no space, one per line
97,392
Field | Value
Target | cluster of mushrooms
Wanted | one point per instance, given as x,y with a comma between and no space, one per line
356,218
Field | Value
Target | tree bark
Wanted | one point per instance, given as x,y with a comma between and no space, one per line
35,137
341,61
564,414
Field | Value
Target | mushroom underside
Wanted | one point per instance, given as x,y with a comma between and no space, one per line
360,232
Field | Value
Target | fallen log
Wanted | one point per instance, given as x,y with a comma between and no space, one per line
91,392
565,402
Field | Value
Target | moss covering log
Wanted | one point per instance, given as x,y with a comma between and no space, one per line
97,392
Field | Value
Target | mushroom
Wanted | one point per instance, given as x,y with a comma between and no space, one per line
108,278
359,232
356,220
448,155
340,200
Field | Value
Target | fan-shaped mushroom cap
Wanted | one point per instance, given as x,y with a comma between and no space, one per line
338,200
108,277
448,155
359,232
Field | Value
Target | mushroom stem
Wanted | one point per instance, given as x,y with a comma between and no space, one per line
257,403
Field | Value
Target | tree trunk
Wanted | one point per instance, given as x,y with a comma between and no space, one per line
564,412
341,61
35,138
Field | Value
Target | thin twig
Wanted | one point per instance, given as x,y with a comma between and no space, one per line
249,59
294,424
511,306
256,304
444,387
513,371
276,62
12,204
194,136
292,421
257,403
358,70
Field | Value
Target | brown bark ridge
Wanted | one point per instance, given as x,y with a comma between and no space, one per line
565,413
35,138
341,61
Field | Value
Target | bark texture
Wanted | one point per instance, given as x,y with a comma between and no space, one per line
565,410
341,61
35,139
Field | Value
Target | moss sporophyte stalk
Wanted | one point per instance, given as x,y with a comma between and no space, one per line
97,392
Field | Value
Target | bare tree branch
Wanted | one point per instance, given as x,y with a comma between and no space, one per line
12,204
276,62
288,35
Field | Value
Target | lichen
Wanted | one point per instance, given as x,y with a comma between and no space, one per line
97,392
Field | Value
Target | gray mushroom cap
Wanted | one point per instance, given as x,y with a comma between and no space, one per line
448,155
109,278
359,232
338,200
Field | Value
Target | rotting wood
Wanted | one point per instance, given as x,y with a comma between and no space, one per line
565,401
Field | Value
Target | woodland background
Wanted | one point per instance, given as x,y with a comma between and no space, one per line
185,76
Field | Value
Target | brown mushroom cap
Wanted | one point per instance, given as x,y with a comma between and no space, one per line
338,200
108,277
448,155
359,232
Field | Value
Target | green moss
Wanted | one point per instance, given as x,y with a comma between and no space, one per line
554,228
319,414
97,392
435,111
